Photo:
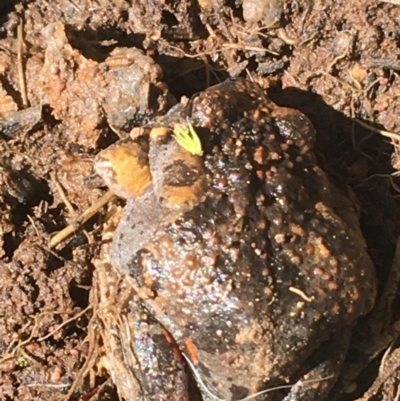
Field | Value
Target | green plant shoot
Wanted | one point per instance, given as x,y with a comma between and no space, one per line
187,137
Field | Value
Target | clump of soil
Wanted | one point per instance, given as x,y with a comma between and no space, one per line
75,76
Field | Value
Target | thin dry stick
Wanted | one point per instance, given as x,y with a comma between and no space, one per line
91,354
74,5
33,225
397,2
385,356
388,134
82,219
60,326
340,56
188,55
236,46
10,353
397,396
20,64
62,194
244,47
288,40
48,385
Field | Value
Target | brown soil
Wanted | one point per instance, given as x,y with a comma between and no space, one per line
73,61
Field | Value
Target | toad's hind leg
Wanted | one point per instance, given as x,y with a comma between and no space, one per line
317,382
160,368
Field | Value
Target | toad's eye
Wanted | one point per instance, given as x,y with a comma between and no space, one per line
187,137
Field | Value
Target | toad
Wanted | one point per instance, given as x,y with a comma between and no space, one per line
241,256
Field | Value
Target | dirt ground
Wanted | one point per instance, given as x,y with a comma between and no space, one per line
76,74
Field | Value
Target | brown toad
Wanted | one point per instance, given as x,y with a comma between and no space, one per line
240,254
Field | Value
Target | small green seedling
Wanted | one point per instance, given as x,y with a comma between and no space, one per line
22,362
187,137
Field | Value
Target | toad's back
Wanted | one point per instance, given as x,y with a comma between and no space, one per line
254,278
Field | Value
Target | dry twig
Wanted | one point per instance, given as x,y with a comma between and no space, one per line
62,193
397,2
20,64
388,134
11,352
82,219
